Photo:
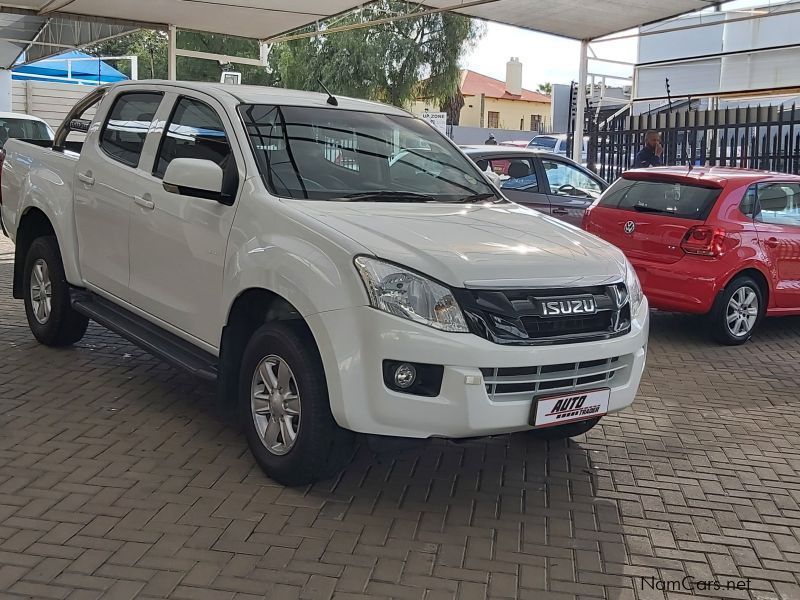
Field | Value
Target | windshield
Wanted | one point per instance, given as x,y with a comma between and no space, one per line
23,129
332,154
544,141
661,197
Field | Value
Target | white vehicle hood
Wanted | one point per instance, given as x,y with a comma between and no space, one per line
475,245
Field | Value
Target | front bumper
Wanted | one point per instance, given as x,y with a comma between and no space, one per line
354,342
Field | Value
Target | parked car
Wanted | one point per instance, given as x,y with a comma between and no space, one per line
25,127
551,184
516,143
285,246
721,242
557,144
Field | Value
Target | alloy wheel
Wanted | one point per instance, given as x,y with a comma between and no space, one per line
275,405
742,311
41,291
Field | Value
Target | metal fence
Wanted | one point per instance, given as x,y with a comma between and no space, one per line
756,137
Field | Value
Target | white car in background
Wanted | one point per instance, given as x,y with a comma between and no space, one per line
556,143
23,127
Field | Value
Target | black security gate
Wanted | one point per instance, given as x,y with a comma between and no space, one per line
756,137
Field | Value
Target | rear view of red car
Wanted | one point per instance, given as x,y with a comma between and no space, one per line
721,242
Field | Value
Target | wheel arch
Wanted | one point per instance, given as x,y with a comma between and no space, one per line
33,224
250,309
759,277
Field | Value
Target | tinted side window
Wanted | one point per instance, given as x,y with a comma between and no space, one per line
195,131
779,204
126,129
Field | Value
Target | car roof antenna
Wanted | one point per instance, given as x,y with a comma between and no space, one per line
331,98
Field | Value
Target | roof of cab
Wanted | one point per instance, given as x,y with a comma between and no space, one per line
708,176
255,94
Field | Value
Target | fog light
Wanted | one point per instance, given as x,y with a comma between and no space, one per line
405,375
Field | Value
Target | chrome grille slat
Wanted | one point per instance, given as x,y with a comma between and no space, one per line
542,379
495,379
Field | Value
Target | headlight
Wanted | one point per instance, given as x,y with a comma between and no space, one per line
406,294
635,294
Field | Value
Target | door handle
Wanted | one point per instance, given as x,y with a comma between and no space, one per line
86,178
144,202
560,211
773,242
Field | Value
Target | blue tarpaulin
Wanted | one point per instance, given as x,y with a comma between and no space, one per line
61,69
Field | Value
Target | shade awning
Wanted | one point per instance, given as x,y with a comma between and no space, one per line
263,19
70,67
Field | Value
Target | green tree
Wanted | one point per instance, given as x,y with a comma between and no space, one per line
149,46
545,88
394,62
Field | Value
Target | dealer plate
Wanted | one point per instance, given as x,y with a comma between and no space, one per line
548,411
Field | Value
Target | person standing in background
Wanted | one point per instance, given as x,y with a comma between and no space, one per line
651,154
491,141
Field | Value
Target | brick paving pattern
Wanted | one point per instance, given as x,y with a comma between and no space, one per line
121,477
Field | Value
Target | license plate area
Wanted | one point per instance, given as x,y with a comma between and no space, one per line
549,411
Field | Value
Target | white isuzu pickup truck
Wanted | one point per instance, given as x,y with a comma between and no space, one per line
337,265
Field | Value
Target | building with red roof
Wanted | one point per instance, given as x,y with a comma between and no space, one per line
496,104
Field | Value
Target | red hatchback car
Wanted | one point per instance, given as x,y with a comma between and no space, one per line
722,242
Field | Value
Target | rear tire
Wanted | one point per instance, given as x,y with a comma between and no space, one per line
285,410
737,311
562,432
51,318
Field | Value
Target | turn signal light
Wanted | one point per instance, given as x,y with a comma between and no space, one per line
703,240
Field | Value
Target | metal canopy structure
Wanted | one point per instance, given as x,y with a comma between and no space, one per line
265,19
43,27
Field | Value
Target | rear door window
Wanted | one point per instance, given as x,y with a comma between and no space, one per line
779,204
125,131
661,197
515,173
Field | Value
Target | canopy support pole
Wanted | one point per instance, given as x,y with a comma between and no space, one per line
172,54
577,138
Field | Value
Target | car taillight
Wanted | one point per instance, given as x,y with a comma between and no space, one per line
703,240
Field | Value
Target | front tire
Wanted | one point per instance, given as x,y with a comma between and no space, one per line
285,410
737,311
51,318
562,432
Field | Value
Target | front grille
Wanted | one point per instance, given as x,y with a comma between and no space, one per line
523,383
517,316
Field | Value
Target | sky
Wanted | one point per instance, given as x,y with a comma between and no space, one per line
548,58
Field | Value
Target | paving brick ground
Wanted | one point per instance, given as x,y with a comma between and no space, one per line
121,478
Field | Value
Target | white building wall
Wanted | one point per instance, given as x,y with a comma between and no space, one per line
755,69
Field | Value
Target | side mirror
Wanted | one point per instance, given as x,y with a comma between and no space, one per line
194,177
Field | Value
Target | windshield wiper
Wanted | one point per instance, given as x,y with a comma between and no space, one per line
478,198
642,208
384,196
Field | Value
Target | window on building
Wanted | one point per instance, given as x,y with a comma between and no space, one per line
536,122
493,120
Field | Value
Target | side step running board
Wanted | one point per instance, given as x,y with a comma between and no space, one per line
146,335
